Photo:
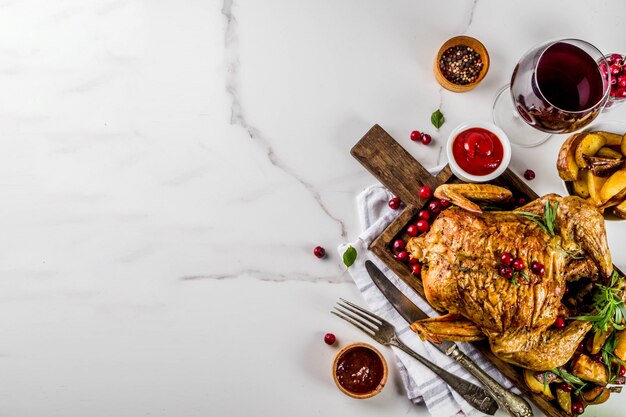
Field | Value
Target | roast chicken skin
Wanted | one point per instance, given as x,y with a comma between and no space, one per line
461,254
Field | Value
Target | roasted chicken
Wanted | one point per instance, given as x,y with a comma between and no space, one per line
461,259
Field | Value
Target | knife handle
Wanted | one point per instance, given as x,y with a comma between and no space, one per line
513,404
473,394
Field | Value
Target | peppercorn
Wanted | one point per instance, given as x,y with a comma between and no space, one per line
460,64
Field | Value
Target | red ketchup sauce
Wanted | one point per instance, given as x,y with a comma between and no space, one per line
477,151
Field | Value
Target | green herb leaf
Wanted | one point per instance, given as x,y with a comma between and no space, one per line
437,118
349,256
547,222
572,380
607,307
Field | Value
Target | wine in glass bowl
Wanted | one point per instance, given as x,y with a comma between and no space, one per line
557,87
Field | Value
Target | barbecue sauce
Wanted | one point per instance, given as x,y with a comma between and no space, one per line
359,370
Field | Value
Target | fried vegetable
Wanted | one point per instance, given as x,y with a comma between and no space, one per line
594,185
536,386
596,395
566,161
587,369
612,139
599,338
620,210
613,185
606,152
620,345
603,167
590,144
564,399
580,185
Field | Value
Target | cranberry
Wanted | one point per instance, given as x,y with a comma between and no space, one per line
580,347
416,135
578,407
621,371
434,207
445,203
413,261
559,323
329,339
398,245
505,271
521,201
426,138
394,203
529,174
537,268
615,59
564,386
620,92
506,258
597,357
425,192
621,81
615,69
518,264
423,215
422,226
416,269
412,230
319,251
403,256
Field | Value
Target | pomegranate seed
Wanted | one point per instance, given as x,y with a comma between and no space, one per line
413,261
578,407
564,386
559,323
425,192
412,230
506,258
403,256
434,207
416,135
615,69
398,245
319,251
445,203
416,269
537,268
529,174
424,215
505,271
426,138
621,81
329,339
422,226
518,264
622,370
394,203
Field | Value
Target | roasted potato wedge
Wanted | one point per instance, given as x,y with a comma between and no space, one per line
598,340
613,185
581,186
612,139
606,152
587,369
596,395
603,167
564,399
537,386
620,211
623,146
590,145
594,185
566,161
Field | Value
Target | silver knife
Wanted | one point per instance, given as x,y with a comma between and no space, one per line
513,404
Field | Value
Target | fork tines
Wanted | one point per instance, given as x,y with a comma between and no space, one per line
360,318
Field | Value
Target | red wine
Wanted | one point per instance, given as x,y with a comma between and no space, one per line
569,78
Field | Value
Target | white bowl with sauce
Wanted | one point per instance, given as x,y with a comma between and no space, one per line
478,151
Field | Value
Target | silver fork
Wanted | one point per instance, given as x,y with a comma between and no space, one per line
384,333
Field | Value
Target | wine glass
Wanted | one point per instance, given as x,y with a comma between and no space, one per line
557,87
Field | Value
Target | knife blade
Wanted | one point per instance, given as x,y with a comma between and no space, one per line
513,404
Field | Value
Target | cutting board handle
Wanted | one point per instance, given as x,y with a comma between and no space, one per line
394,167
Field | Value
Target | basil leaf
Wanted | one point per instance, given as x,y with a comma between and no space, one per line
437,118
349,256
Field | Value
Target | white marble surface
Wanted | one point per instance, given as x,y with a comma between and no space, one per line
168,166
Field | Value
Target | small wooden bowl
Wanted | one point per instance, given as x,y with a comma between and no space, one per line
362,395
476,46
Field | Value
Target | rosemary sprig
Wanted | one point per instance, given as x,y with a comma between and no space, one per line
608,307
566,253
572,380
545,223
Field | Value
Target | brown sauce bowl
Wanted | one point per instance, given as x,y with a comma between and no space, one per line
359,370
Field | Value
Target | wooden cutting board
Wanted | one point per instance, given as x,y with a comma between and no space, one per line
399,172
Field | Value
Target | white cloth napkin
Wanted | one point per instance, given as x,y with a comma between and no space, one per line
421,384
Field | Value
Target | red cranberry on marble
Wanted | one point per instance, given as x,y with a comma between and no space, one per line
319,251
416,135
426,138
529,174
329,339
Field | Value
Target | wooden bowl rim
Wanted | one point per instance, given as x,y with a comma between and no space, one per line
472,43
380,385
